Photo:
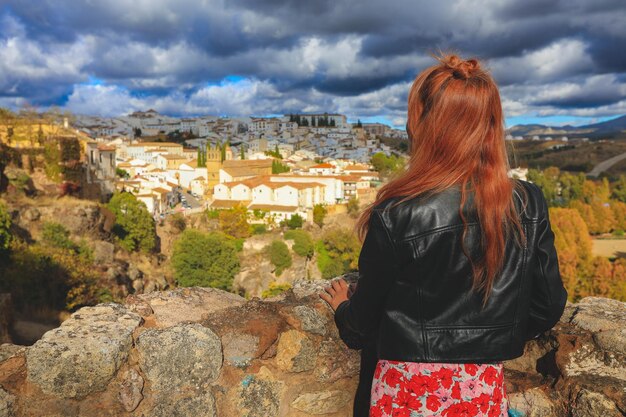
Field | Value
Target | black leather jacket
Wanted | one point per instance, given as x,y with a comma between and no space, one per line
414,289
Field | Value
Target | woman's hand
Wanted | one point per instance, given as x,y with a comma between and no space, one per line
336,293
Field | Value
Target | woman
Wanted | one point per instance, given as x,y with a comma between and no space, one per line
458,267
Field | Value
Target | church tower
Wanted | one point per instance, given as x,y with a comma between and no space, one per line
213,165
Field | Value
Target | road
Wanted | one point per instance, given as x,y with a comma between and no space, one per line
606,164
193,201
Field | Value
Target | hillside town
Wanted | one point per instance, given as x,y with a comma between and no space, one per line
279,166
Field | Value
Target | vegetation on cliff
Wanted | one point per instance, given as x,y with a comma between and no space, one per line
205,260
134,226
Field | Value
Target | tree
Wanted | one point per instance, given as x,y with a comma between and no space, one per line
242,153
359,124
137,132
7,119
384,164
279,255
353,206
134,226
319,214
122,173
338,253
295,222
234,221
547,180
205,260
223,151
29,116
302,242
5,230
619,189
573,245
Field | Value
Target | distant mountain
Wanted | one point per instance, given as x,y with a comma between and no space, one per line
611,129
614,125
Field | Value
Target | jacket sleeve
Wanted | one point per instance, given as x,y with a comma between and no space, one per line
548,296
358,317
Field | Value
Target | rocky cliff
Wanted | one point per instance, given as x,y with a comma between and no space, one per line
203,352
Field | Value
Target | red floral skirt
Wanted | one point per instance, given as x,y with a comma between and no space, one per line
411,389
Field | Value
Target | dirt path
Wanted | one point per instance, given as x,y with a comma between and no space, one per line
609,247
606,164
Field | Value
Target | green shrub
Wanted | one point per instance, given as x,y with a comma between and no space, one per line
319,214
5,229
212,213
353,207
295,222
303,242
234,221
275,289
259,229
177,220
338,252
279,255
55,234
205,260
134,227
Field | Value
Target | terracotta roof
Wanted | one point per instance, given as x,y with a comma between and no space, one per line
173,157
240,171
324,165
162,144
105,148
237,163
161,190
250,182
228,203
273,207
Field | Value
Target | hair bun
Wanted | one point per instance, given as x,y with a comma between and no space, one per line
462,69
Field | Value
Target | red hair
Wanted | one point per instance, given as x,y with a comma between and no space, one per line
456,129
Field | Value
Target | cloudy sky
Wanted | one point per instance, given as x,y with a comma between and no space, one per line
556,61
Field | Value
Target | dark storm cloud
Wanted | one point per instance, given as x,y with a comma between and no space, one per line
328,53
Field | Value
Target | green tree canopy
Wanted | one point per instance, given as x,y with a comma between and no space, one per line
279,256
338,251
5,229
234,221
134,226
302,242
295,222
205,260
384,164
319,214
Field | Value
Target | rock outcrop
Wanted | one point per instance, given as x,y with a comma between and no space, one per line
6,313
202,352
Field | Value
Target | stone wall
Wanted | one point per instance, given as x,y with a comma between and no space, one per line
203,352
